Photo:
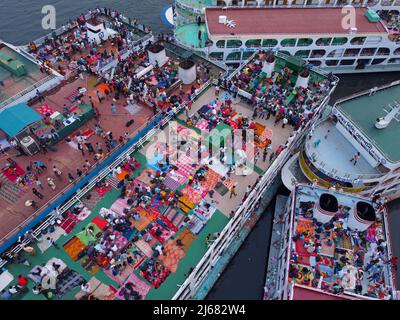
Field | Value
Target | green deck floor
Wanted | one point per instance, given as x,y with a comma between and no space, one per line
165,291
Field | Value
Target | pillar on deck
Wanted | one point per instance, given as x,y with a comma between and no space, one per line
269,65
187,72
303,78
157,55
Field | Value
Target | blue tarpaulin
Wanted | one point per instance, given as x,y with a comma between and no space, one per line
14,119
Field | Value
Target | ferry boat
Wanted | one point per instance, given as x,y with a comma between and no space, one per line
323,241
140,216
189,11
232,34
366,122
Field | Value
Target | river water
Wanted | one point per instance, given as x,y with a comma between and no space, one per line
20,22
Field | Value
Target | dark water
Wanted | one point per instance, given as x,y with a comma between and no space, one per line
20,20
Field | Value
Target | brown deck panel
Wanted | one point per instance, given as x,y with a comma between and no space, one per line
253,21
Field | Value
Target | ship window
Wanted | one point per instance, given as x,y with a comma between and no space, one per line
303,42
254,43
397,51
269,42
323,41
288,42
285,52
363,62
233,56
377,61
221,3
358,41
217,55
383,52
336,53
331,63
339,41
394,60
247,54
396,186
348,62
302,54
220,44
233,43
315,62
388,181
368,52
351,52
318,53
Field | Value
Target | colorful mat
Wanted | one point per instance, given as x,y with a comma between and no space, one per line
186,237
176,218
103,190
74,247
171,256
100,222
185,204
154,272
43,110
141,287
144,247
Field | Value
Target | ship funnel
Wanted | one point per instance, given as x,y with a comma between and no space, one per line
382,123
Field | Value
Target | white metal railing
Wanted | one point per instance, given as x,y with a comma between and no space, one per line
27,90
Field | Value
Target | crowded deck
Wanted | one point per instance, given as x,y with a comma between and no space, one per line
139,232
339,246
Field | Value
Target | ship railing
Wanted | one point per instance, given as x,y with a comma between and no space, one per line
154,126
110,62
330,170
360,94
391,272
27,90
192,283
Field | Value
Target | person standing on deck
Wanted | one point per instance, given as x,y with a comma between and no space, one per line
356,157
233,192
51,183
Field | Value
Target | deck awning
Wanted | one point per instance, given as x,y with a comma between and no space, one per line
14,119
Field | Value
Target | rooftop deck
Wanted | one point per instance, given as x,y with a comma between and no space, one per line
334,258
287,21
16,80
363,110
332,152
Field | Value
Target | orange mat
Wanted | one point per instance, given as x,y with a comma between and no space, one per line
186,237
146,216
121,176
74,247
173,254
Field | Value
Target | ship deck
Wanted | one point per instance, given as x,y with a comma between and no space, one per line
105,286
13,83
365,109
343,253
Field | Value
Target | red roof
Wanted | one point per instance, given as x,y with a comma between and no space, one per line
251,21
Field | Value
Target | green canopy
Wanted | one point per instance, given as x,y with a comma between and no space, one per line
14,119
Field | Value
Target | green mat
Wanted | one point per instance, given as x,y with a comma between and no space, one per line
85,237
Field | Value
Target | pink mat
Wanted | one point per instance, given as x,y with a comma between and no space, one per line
119,206
140,286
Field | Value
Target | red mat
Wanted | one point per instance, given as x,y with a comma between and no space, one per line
43,110
100,222
102,191
13,177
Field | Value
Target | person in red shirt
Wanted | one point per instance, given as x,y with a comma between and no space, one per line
22,281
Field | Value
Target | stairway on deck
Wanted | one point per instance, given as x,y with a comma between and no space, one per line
9,191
